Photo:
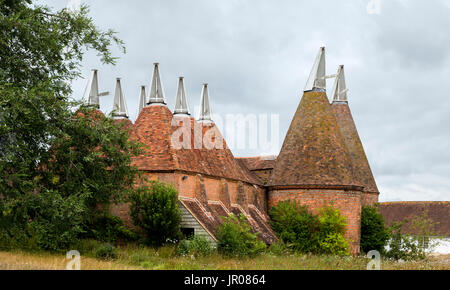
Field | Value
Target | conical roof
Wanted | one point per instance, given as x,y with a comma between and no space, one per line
317,78
181,103
339,88
156,128
314,152
91,93
120,106
363,173
205,108
142,100
156,88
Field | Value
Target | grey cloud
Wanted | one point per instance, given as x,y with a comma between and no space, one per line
257,55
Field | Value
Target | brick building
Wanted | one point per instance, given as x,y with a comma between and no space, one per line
321,161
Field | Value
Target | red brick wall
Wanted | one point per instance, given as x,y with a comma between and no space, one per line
349,202
369,198
193,185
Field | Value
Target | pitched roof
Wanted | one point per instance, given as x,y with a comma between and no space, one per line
155,127
437,211
314,151
211,217
363,173
258,163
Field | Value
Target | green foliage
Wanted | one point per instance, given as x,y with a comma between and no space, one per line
43,221
196,246
236,239
374,233
111,229
331,232
41,53
55,165
87,247
106,252
279,248
334,244
296,226
155,210
304,232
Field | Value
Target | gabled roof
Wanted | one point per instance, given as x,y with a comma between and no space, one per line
361,166
211,217
314,152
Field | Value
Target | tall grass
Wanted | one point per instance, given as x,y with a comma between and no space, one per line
166,258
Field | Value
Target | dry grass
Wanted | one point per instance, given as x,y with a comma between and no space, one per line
135,258
43,261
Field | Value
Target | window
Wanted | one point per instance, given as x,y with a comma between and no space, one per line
187,232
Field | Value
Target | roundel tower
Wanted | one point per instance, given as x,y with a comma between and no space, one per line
315,166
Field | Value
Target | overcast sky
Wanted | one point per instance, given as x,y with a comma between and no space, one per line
257,54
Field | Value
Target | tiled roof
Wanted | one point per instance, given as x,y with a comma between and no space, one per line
314,151
211,217
361,166
437,211
154,129
258,163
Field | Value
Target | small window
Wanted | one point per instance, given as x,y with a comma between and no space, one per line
187,232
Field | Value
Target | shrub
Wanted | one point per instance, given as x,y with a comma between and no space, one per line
236,239
295,225
305,232
110,229
334,244
279,248
155,210
197,246
331,232
106,252
87,247
407,247
45,221
374,233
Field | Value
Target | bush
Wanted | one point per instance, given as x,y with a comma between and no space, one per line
374,233
110,229
331,232
334,244
279,248
46,221
106,252
295,225
236,239
155,210
305,232
407,247
197,246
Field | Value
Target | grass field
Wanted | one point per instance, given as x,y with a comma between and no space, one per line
134,258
